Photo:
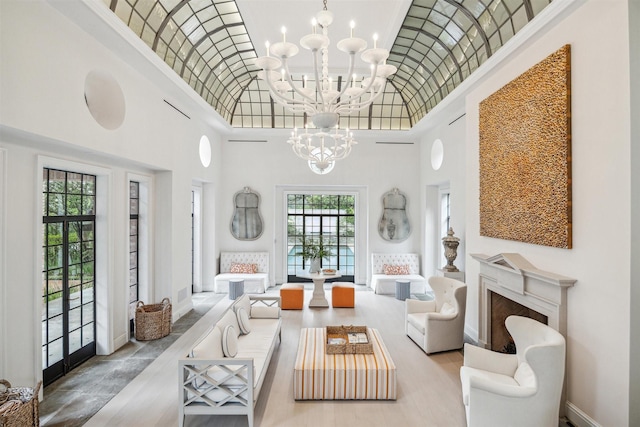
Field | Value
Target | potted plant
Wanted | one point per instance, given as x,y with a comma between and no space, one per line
313,249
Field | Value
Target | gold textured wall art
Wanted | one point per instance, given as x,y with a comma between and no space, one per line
525,156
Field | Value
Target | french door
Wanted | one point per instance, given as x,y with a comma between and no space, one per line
326,217
68,276
134,254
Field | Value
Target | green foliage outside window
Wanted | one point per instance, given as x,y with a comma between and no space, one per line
68,194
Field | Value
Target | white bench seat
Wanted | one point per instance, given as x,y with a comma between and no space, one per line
382,283
386,284
254,283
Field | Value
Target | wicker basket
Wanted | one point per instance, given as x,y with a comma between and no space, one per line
16,413
347,348
153,321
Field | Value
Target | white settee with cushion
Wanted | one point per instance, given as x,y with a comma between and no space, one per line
387,268
438,325
252,267
523,389
225,370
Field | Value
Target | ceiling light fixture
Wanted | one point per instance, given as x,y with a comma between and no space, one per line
320,148
323,103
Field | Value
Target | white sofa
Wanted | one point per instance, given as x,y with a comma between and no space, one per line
254,283
214,381
382,283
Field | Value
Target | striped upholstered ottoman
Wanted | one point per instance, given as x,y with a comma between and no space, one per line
320,376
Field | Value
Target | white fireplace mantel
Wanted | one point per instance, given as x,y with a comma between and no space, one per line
515,278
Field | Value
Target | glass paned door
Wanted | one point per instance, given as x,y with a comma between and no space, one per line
68,276
134,290
329,219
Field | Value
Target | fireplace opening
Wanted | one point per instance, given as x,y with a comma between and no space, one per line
501,308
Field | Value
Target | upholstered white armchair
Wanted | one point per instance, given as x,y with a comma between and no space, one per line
438,325
522,389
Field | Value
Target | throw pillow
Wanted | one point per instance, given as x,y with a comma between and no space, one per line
396,270
243,321
210,347
243,302
239,268
229,341
229,318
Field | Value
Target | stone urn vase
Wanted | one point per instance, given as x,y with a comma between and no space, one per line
450,244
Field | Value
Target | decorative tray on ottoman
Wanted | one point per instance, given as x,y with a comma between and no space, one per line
348,340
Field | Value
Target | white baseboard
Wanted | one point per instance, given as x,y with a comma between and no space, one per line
471,333
120,341
181,311
579,418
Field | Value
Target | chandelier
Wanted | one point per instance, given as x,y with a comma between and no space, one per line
324,143
321,149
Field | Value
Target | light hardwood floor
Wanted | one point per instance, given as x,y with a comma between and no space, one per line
429,392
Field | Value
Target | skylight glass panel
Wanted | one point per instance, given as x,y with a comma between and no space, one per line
467,33
440,43
476,7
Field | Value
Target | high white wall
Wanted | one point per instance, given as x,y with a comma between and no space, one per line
266,166
598,306
451,174
45,122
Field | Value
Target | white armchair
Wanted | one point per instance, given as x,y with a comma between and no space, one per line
438,325
521,389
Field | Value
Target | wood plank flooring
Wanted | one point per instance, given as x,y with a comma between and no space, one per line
429,391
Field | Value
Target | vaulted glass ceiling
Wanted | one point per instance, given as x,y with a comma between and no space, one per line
440,43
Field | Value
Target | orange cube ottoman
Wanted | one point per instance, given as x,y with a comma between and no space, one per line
292,296
343,295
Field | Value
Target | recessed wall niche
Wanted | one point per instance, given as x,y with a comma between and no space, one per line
205,151
437,154
105,99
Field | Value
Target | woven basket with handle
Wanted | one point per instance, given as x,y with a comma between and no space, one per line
153,321
14,412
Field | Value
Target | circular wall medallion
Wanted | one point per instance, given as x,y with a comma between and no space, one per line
105,99
205,151
437,154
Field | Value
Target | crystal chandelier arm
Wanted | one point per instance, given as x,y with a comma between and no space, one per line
311,101
346,86
357,106
294,105
294,108
346,106
346,109
371,80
